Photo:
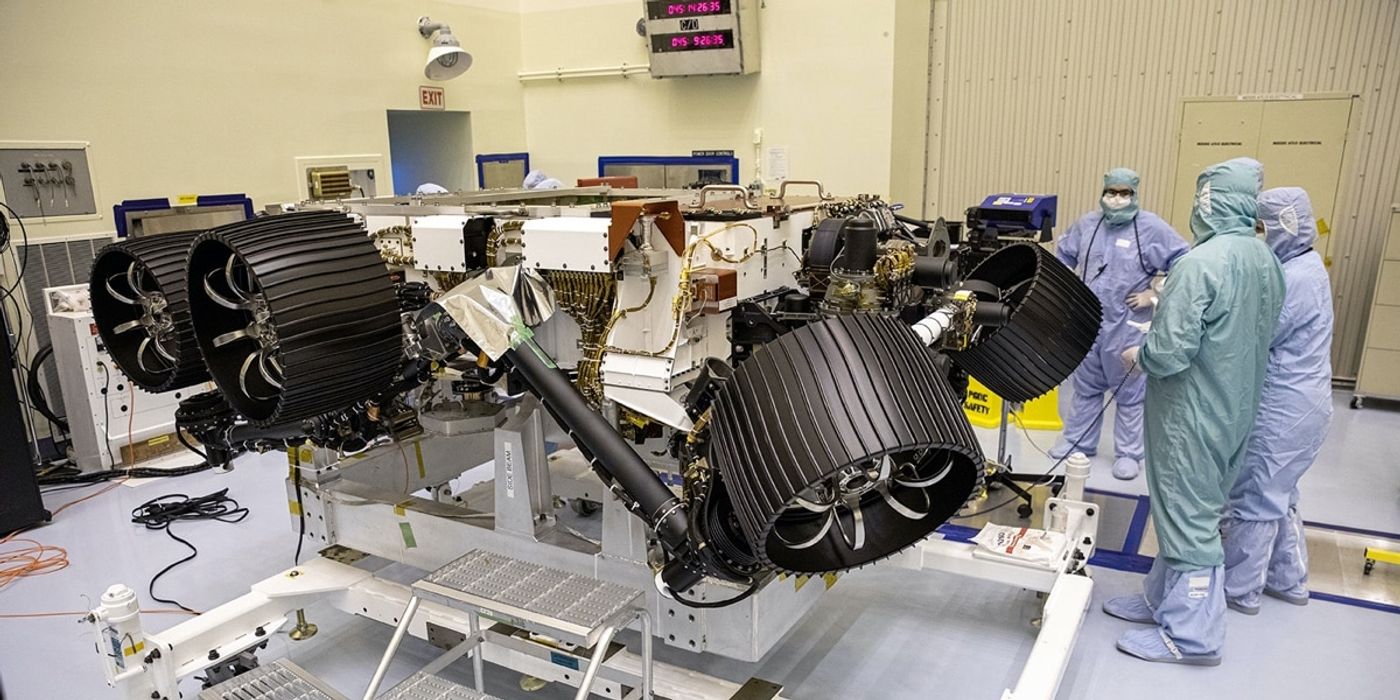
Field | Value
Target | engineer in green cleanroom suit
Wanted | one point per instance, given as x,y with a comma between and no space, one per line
1205,359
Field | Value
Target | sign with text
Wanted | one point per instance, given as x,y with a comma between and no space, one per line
431,97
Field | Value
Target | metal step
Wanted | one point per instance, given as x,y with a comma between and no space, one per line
425,686
573,608
279,680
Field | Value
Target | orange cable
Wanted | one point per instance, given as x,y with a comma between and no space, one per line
34,559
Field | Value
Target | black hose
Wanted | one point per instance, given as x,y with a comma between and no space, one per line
37,399
609,455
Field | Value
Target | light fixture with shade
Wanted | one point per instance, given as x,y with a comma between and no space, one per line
446,59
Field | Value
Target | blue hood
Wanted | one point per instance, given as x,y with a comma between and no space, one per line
1289,226
1120,177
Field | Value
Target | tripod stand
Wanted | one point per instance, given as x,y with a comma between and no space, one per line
1000,474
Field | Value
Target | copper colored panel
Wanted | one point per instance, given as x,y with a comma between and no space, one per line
668,219
619,181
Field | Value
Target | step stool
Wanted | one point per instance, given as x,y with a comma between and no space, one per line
279,680
284,680
575,609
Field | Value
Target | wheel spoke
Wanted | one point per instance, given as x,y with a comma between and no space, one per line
231,336
118,296
222,300
813,506
263,359
160,348
245,295
924,483
243,378
902,509
146,343
131,282
854,540
821,533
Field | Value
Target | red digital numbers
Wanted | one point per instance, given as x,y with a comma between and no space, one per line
698,41
694,8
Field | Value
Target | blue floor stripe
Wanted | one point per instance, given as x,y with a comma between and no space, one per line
1355,602
1138,526
1120,561
1354,530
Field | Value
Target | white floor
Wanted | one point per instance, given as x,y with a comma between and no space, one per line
881,632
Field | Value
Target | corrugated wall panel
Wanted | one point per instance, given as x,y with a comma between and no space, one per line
1045,96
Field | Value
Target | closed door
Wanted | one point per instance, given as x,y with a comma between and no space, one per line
1300,142
1211,131
1301,145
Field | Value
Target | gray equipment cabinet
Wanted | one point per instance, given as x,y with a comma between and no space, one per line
1380,356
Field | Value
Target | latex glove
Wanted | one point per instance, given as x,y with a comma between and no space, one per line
1142,300
1130,360
1143,327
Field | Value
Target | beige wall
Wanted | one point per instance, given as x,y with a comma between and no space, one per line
1045,96
825,92
211,97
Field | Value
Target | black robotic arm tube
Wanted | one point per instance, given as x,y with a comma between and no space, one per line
614,460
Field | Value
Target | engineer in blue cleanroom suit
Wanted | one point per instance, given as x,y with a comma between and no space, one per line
1205,360
1117,251
1263,536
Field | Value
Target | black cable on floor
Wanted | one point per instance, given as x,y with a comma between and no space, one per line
109,474
161,512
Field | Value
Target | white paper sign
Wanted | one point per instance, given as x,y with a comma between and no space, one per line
777,165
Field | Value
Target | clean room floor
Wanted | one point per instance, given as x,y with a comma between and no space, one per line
881,632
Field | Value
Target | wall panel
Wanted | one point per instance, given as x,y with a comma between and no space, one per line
1045,96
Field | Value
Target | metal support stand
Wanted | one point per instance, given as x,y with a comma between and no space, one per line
304,630
426,679
399,631
585,688
1001,475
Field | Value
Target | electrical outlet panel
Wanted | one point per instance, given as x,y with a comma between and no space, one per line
41,182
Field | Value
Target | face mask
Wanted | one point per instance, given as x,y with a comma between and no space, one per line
1116,202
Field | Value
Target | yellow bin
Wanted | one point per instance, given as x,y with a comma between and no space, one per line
983,409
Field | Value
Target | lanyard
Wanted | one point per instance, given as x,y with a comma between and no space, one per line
1084,259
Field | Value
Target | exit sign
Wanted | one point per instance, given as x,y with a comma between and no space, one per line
431,97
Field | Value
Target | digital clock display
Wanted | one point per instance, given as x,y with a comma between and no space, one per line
661,9
692,41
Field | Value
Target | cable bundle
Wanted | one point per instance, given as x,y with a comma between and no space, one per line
161,512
